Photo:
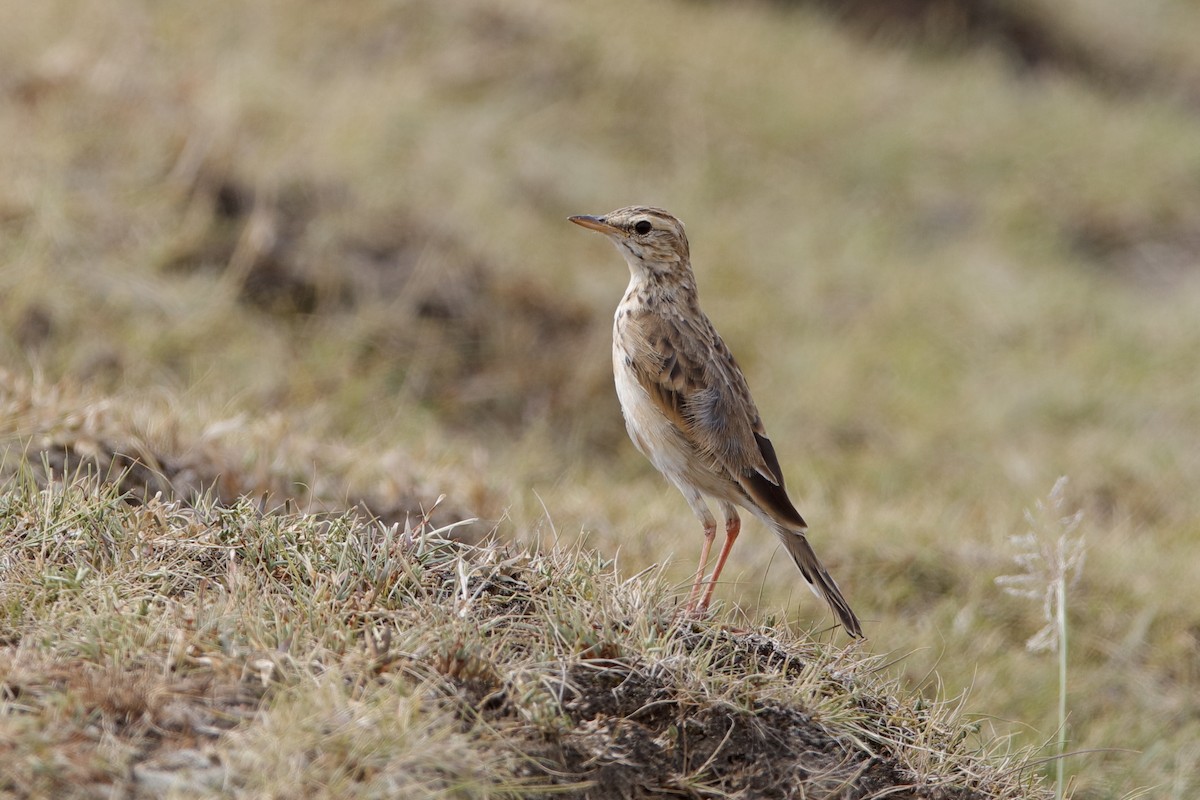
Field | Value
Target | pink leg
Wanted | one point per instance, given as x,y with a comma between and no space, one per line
733,526
710,533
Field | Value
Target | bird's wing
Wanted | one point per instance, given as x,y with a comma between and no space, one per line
689,373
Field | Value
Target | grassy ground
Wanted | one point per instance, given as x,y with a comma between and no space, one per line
313,253
193,650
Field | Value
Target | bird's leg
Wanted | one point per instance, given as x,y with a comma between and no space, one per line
710,533
733,526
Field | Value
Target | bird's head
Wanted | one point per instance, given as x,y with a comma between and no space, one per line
652,241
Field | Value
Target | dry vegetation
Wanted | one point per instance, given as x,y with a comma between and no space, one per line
205,648
275,276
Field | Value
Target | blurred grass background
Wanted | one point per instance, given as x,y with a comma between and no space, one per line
955,246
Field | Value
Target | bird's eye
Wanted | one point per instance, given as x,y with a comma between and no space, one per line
642,227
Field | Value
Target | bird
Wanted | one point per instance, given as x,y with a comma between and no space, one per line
688,408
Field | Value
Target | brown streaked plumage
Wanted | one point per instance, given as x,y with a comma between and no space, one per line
687,406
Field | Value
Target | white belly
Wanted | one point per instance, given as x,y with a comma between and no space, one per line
652,433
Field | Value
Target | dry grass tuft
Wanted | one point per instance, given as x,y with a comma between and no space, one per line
207,647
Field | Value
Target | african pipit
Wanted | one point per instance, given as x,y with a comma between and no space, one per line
687,406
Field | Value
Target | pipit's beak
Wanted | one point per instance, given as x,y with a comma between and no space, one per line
595,224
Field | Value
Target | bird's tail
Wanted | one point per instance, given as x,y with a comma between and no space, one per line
819,580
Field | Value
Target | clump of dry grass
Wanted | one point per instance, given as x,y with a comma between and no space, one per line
212,648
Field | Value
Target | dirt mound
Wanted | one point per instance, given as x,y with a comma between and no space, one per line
1155,253
617,725
60,432
1029,37
295,652
1016,30
635,736
458,330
